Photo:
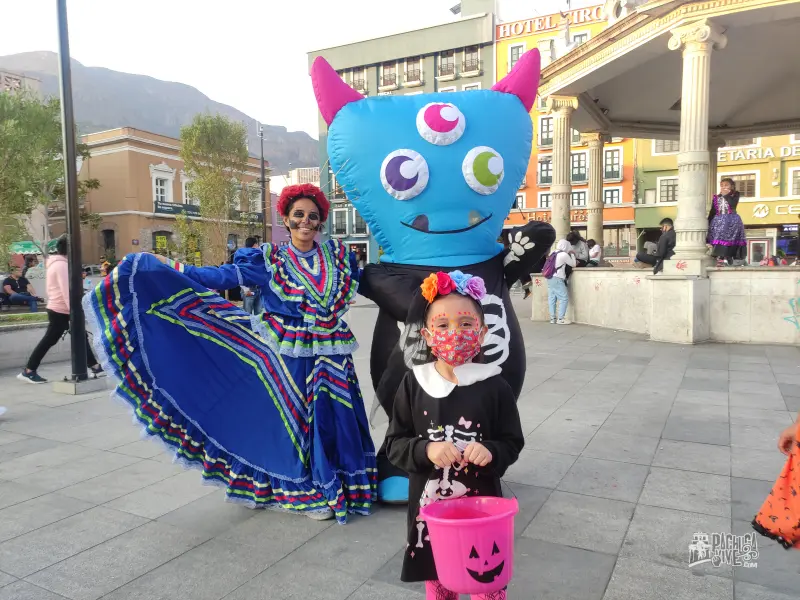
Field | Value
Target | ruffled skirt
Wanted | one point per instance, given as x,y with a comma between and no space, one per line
726,234
275,431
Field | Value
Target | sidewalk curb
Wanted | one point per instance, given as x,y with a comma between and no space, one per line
19,326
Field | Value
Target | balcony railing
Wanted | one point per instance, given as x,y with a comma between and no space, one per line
612,174
339,229
360,229
413,75
389,80
446,69
359,85
471,65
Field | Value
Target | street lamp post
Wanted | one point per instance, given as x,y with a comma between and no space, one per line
77,325
265,209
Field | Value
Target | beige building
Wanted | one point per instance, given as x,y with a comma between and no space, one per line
143,187
12,82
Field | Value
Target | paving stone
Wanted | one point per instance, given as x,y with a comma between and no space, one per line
24,517
530,499
552,569
756,464
710,385
710,362
777,568
68,474
540,468
5,579
29,464
605,479
789,389
389,573
662,535
761,401
754,387
7,437
299,581
622,447
620,422
208,572
701,431
12,492
757,438
121,482
375,590
756,376
635,579
685,490
22,590
756,417
708,374
747,497
567,438
792,403
702,397
164,496
749,591
25,446
689,456
209,515
109,565
699,412
582,522
48,545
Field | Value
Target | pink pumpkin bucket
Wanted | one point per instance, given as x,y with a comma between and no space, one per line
473,542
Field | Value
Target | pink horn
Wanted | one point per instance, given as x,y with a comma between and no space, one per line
523,81
332,93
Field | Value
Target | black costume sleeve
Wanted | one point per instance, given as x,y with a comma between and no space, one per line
389,288
733,200
405,449
713,212
507,437
526,245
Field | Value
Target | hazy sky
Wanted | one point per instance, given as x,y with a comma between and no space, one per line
250,54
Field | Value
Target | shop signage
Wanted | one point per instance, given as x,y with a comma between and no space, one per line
761,211
758,153
135,242
581,16
775,212
575,216
173,208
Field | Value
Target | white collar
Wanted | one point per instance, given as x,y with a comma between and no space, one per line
437,386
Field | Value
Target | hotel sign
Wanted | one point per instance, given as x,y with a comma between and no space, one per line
758,153
581,16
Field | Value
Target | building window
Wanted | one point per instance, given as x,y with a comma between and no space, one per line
737,142
668,189
109,241
745,183
613,164
161,189
578,198
452,88
233,241
580,38
472,62
359,224
389,75
578,161
666,146
546,131
162,177
359,81
447,63
544,200
795,182
542,102
545,171
576,137
519,203
514,54
471,86
413,69
612,196
339,221
546,51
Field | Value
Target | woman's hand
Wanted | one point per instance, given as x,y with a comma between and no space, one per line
443,454
477,454
787,439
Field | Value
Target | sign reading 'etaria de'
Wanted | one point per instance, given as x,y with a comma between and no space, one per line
758,153
581,16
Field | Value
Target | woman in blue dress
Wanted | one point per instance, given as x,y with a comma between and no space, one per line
267,406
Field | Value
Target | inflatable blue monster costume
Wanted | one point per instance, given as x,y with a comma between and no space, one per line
435,176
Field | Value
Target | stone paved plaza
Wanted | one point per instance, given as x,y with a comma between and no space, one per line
632,447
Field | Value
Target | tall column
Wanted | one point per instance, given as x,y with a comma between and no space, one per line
561,107
714,144
594,225
697,41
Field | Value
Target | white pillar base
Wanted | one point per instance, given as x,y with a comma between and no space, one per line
680,309
76,388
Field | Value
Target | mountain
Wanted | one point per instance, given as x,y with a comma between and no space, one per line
105,99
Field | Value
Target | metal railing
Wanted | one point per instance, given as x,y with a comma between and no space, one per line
359,84
471,65
413,75
389,80
447,69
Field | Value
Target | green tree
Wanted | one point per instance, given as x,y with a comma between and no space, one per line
214,153
32,187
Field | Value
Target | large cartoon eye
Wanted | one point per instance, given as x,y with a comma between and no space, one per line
483,170
440,123
404,174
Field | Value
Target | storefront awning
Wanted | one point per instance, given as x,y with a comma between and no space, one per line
29,247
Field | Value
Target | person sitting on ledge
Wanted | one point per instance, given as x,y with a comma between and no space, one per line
19,290
666,247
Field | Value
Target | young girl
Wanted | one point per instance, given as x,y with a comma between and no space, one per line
455,427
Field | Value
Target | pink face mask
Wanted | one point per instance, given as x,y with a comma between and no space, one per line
455,347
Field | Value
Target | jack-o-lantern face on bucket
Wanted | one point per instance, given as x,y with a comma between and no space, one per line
486,573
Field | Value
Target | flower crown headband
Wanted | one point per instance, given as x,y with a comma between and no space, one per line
441,284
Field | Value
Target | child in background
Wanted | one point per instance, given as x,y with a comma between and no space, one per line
595,253
455,427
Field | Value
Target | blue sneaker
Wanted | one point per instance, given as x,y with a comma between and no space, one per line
393,490
32,377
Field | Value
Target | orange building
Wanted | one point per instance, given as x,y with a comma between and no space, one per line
555,35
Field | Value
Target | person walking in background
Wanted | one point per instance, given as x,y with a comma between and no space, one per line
579,247
665,250
19,289
556,272
725,228
57,280
251,295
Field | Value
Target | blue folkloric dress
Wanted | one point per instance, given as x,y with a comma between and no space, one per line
267,406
